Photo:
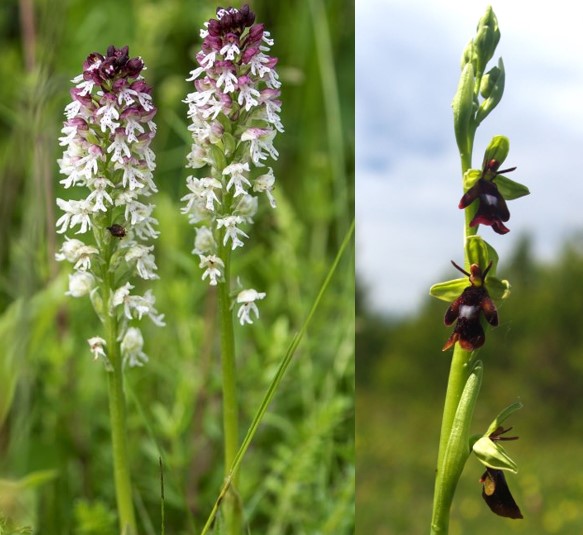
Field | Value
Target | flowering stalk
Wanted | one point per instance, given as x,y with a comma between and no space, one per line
107,156
474,297
234,114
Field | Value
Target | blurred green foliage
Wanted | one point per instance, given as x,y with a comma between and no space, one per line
535,356
299,475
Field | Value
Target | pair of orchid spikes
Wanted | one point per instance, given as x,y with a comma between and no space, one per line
485,193
234,117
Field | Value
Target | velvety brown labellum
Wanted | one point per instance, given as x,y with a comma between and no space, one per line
117,230
466,309
497,495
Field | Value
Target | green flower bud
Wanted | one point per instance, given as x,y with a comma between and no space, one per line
492,89
463,110
497,150
489,81
486,40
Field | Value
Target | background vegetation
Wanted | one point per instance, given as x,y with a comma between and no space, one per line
55,462
535,355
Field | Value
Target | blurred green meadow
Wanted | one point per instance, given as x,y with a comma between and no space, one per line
55,454
535,355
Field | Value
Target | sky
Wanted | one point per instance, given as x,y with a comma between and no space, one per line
408,179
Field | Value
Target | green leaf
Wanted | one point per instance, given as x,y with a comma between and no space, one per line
509,189
493,455
450,290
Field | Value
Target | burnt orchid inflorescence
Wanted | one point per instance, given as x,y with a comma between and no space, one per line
109,163
485,193
107,138
234,114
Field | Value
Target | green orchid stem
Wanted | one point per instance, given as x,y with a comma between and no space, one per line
117,415
123,486
446,482
117,403
230,404
461,366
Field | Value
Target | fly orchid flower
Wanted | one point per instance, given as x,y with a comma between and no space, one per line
466,309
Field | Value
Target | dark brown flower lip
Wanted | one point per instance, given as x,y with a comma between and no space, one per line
492,208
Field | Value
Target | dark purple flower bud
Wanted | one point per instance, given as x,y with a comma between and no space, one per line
80,96
248,54
492,209
466,309
92,62
255,34
134,67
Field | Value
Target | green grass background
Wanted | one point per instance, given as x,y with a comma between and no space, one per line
55,458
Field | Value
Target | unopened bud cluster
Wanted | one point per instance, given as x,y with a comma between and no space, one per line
108,161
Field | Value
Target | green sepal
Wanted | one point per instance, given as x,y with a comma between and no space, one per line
97,302
509,189
498,150
498,289
450,290
229,144
492,89
218,158
471,176
226,123
503,415
92,138
481,252
493,455
463,110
